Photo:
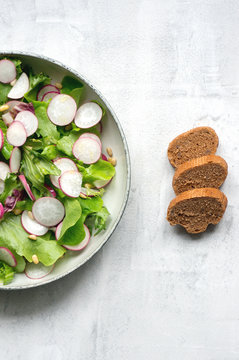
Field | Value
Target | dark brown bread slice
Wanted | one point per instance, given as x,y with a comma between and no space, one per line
194,143
206,171
196,209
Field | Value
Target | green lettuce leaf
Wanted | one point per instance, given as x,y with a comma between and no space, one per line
101,170
66,143
6,273
45,127
50,152
4,90
15,238
36,82
72,87
35,167
73,232
7,148
97,220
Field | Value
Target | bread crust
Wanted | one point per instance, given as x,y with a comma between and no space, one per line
189,145
203,172
192,221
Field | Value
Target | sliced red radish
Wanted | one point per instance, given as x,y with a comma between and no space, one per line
88,115
7,256
2,186
20,88
92,136
89,192
64,164
101,183
27,187
49,95
62,109
58,230
82,244
4,170
103,157
45,89
51,191
15,160
86,150
7,118
16,134
12,104
32,226
7,71
1,139
1,210
28,120
70,183
37,271
48,211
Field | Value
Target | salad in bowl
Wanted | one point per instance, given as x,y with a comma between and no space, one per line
53,173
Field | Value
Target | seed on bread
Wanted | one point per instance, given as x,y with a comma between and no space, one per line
194,143
196,209
203,172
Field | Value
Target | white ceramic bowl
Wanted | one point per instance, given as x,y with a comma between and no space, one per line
115,198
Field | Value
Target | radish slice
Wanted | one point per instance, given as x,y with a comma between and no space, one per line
45,89
86,150
62,109
88,115
92,136
1,139
89,192
70,183
32,226
101,183
4,170
23,107
64,164
48,211
1,210
16,134
15,160
37,271
49,95
7,256
7,71
2,186
58,230
27,187
103,157
7,118
12,104
28,120
82,244
20,88
51,191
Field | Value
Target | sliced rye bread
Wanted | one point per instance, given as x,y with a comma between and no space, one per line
196,209
204,172
194,143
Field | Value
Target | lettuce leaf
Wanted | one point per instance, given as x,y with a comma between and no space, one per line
45,127
36,82
35,167
73,231
11,183
6,273
101,170
97,220
15,238
72,87
7,148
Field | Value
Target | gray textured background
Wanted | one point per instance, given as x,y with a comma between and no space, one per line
153,292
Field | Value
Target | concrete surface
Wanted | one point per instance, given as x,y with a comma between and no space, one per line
153,292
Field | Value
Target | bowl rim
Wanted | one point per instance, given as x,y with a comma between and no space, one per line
127,156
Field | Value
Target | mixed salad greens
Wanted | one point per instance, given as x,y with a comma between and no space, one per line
52,170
